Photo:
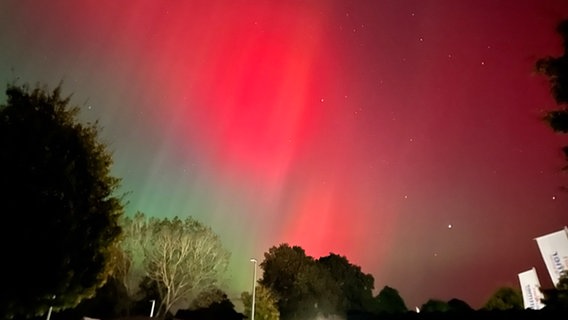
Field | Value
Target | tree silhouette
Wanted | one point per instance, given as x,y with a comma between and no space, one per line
304,287
389,301
207,297
556,70
435,305
505,298
557,298
355,286
56,195
222,309
457,305
281,267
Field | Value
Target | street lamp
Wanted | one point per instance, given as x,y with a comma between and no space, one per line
152,309
50,308
253,260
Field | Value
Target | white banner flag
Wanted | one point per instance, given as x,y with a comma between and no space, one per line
530,287
554,250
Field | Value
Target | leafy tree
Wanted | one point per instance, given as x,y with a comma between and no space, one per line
281,268
305,287
302,287
556,70
110,301
207,297
56,194
356,287
148,294
505,298
435,305
389,301
223,309
317,293
180,257
265,307
557,298
457,305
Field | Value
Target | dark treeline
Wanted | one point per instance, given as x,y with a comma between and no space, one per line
544,314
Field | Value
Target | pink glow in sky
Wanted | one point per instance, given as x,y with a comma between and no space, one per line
362,128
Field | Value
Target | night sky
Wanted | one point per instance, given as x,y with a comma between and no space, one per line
405,135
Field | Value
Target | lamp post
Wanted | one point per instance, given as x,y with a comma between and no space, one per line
253,260
50,308
49,313
152,309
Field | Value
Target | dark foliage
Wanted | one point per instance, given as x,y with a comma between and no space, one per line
223,309
556,70
110,302
556,299
457,305
389,301
505,298
143,303
558,120
434,306
305,287
473,315
206,298
354,285
56,196
284,273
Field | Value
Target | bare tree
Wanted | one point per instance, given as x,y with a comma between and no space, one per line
182,257
130,264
